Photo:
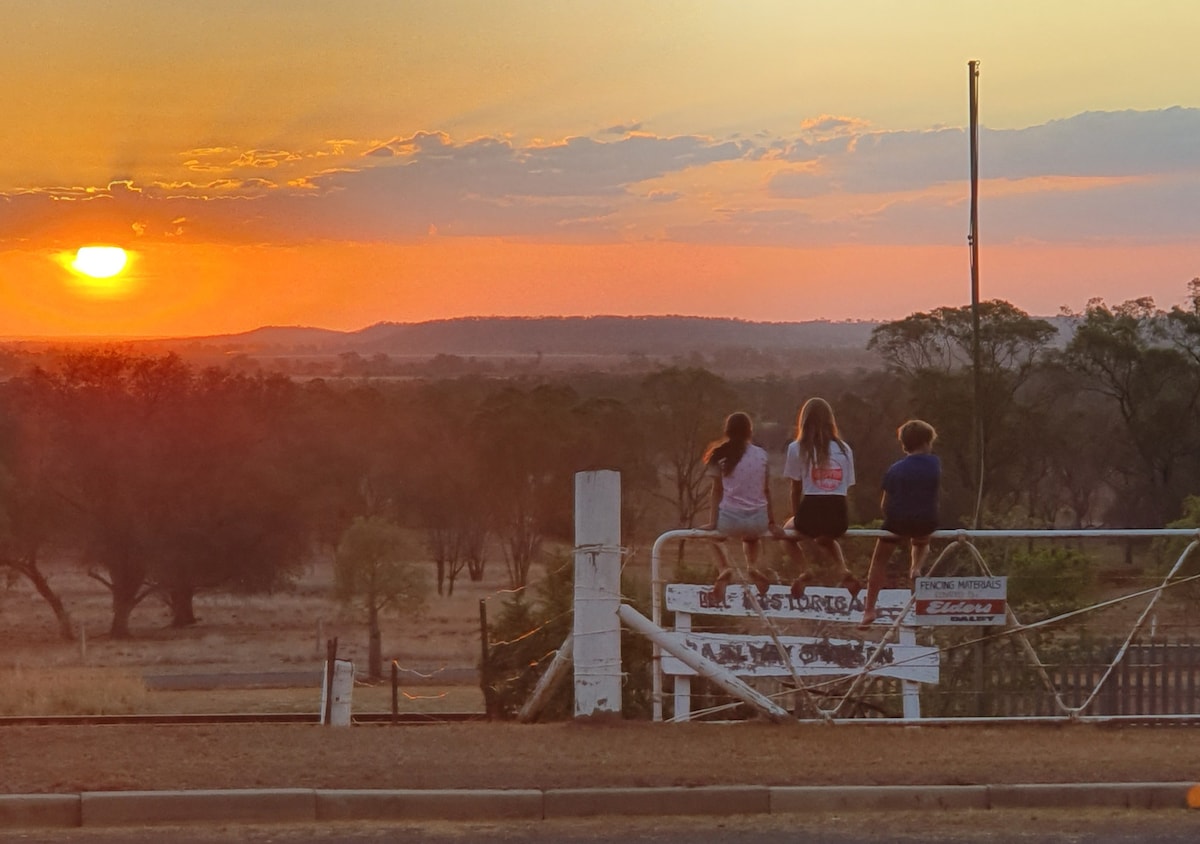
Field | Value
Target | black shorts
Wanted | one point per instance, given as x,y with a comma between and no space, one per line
911,528
822,516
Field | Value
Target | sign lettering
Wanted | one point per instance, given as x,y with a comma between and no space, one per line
760,656
818,603
962,600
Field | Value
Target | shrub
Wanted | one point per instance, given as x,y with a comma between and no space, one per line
532,626
1052,580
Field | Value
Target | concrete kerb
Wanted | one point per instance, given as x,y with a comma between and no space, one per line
699,800
259,805
125,808
881,798
40,810
1090,795
430,804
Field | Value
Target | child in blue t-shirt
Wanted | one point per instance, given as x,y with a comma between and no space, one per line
910,507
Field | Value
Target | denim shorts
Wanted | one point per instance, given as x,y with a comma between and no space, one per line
746,524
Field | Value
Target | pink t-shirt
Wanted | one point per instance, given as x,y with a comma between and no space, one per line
743,488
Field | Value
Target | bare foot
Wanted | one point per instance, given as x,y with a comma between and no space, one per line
760,580
723,578
868,618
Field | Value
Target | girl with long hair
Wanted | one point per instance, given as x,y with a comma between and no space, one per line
740,500
820,466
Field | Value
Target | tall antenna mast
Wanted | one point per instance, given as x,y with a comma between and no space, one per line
973,242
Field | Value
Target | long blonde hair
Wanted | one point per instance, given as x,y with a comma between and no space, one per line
817,431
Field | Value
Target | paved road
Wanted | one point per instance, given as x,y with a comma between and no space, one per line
970,827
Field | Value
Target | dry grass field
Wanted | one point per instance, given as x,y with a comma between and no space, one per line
253,651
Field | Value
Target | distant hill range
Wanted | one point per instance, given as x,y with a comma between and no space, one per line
491,336
517,344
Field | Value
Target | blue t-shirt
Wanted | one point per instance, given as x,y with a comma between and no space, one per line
911,485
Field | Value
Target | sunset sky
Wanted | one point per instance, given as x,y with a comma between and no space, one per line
342,163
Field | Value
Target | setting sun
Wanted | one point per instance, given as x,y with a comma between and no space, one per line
99,261
99,272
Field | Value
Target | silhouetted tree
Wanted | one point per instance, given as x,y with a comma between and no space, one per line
31,515
173,476
934,352
682,411
521,438
1141,360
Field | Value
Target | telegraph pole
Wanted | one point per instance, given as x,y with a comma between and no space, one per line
973,242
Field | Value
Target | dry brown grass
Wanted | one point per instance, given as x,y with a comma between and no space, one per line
366,698
84,691
574,755
280,634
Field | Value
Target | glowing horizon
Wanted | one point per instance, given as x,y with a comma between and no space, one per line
785,163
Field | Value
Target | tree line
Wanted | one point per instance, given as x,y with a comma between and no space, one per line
163,479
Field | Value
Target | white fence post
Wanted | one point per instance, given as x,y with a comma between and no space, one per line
597,630
342,687
683,683
910,691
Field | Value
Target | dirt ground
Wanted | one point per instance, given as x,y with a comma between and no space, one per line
61,759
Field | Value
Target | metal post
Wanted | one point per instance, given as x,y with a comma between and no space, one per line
395,692
485,670
973,241
330,662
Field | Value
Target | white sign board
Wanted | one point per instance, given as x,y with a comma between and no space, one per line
818,603
972,601
759,656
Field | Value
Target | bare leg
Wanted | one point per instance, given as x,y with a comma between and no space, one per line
875,575
722,558
724,573
792,547
834,550
750,547
920,553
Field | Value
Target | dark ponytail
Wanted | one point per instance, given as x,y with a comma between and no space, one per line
728,452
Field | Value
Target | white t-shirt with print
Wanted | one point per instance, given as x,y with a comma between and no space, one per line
834,478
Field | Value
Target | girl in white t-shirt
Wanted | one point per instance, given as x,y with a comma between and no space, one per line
820,466
740,500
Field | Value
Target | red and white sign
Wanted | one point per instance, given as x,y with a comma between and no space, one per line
981,601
